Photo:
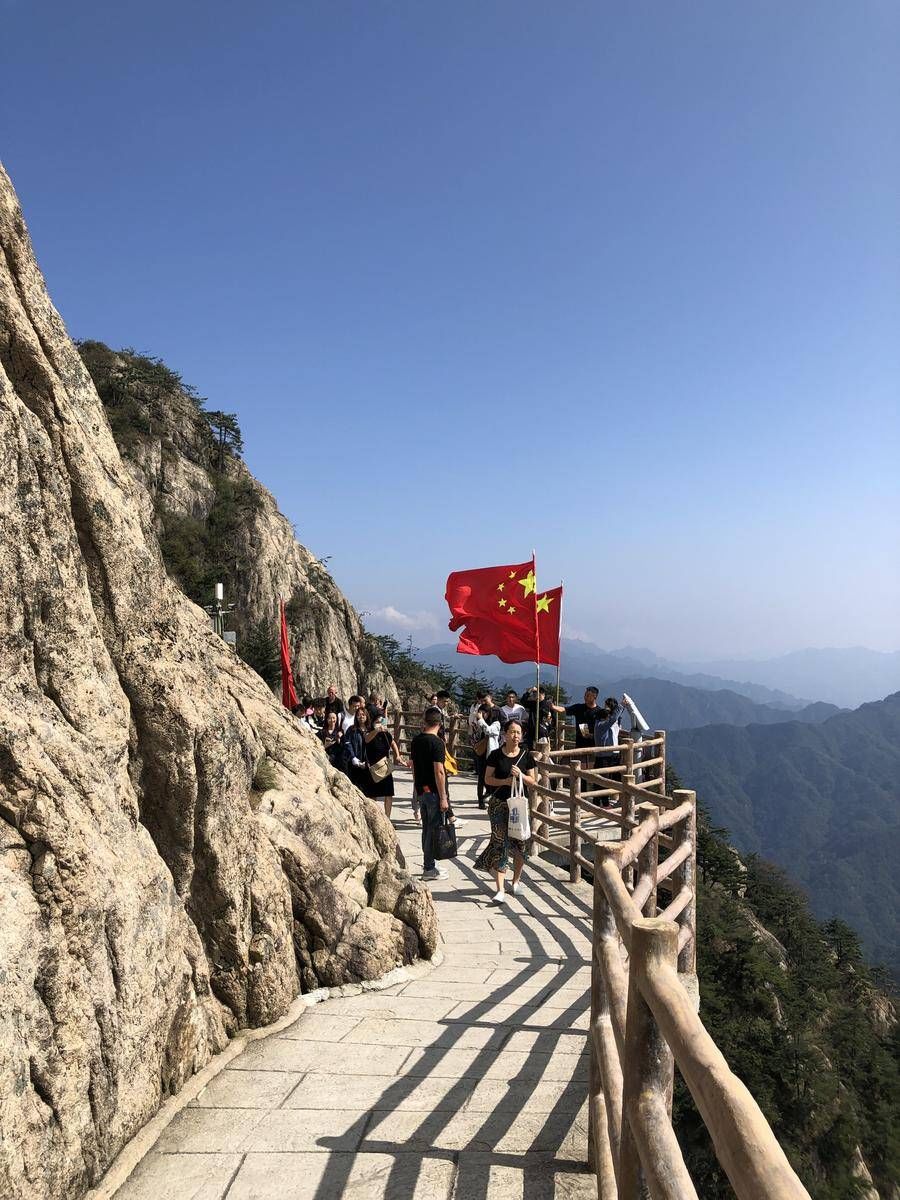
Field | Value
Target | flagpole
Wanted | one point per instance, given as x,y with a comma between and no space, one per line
559,655
537,651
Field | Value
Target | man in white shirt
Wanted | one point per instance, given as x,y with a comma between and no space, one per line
512,710
349,717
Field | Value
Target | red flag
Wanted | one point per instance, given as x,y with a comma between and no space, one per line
288,692
549,606
497,607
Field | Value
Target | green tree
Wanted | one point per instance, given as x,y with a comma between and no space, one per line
227,433
260,648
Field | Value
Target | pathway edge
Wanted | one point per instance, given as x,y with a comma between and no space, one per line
134,1151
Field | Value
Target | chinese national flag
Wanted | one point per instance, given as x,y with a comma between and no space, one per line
549,605
288,692
497,608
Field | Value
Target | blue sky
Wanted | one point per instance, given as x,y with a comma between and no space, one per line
617,281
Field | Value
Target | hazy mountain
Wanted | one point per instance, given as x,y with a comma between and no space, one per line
668,705
845,678
848,677
820,800
584,663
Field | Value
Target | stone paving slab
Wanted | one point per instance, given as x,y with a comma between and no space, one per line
317,1176
181,1177
468,1083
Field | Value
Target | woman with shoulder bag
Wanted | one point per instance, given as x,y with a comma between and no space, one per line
380,745
486,739
354,754
507,767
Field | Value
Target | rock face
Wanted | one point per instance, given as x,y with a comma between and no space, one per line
150,902
167,447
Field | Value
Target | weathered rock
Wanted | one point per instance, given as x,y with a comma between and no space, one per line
146,909
167,447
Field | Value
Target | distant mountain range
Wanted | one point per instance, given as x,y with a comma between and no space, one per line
822,801
667,705
845,678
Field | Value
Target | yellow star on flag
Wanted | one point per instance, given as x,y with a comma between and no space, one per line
502,602
511,610
528,583
544,602
500,587
512,574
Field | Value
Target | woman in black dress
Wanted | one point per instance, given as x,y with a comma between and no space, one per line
330,737
503,765
354,754
379,745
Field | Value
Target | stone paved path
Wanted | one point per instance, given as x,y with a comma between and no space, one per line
468,1083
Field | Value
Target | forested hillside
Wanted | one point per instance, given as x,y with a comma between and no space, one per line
667,705
822,801
803,1021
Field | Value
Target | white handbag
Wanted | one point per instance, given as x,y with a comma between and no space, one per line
519,825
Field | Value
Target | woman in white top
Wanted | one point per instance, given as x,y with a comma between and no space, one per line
487,729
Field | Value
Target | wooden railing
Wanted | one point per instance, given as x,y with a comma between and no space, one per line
611,816
644,993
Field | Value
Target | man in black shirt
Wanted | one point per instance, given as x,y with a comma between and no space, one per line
586,717
540,714
427,752
333,703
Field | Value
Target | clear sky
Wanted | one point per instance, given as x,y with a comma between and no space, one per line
615,280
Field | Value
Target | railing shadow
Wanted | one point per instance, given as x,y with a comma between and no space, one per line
477,1153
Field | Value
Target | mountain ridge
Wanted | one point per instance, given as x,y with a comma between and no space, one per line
844,677
819,800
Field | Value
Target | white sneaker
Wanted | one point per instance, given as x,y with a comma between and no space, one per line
513,889
498,898
435,873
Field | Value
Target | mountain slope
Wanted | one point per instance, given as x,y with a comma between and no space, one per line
803,1022
216,522
846,676
820,800
668,705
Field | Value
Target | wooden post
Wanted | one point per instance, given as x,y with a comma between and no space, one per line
604,1096
398,721
626,754
451,733
649,1075
686,876
628,825
648,859
661,753
544,779
574,793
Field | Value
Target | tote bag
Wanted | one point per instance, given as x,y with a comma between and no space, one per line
443,837
519,825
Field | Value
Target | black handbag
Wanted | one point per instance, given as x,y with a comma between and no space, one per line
443,839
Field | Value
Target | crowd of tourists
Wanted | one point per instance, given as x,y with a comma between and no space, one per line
507,742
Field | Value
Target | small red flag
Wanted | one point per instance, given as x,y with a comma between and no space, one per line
549,606
497,607
288,691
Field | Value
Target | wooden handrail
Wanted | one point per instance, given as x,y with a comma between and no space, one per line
745,1145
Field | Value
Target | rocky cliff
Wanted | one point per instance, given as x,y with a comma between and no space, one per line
215,521
150,902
